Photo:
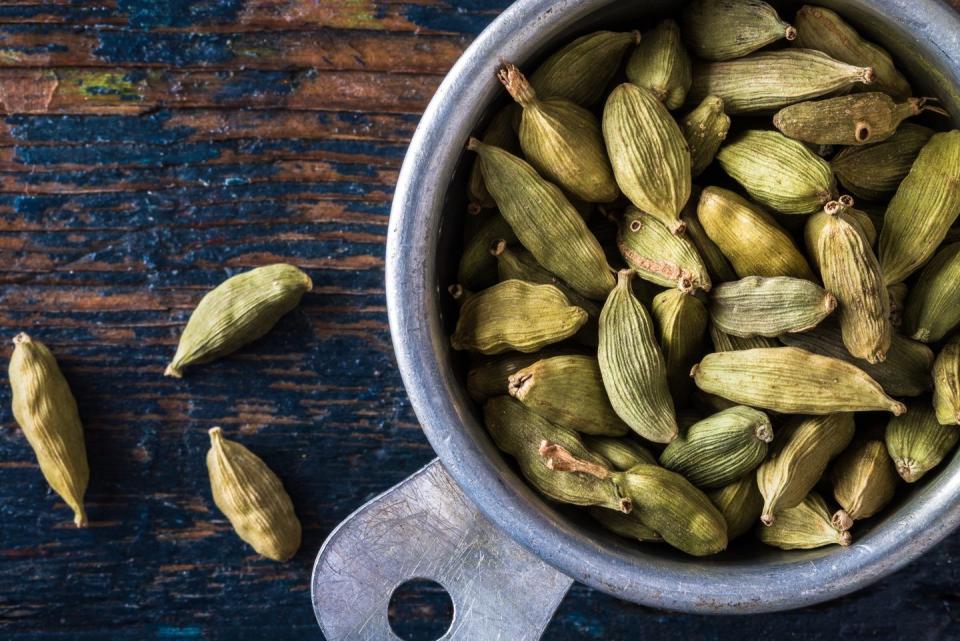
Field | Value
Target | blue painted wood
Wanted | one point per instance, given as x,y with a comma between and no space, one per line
113,224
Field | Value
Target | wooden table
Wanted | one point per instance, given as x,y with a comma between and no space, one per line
149,150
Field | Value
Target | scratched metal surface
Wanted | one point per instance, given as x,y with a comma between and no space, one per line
148,150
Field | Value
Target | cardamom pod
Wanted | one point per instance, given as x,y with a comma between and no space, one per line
723,342
547,224
681,321
778,172
514,315
851,271
790,380
767,81
238,311
582,70
478,268
856,119
917,442
562,141
822,29
650,157
727,29
659,256
252,498
898,301
905,372
873,172
499,133
799,455
621,453
721,448
769,306
489,377
923,209
805,526
626,525
705,128
568,391
519,264
633,368
520,433
718,267
740,503
749,237
661,64
864,482
946,383
47,413
933,305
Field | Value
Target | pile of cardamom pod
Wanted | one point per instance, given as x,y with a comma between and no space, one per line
770,351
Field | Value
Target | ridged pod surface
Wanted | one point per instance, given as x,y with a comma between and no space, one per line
626,525
622,453
816,223
489,377
767,81
726,29
658,255
723,342
661,64
857,119
499,133
650,157
517,263
864,481
925,206
917,442
547,224
933,304
806,526
946,383
718,267
769,306
633,368
705,128
581,70
681,321
780,173
790,380
873,172
740,503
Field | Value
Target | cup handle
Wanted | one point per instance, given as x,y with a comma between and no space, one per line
425,528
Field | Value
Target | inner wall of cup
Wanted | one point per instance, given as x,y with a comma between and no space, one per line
927,78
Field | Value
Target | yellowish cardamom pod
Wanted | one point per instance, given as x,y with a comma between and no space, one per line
626,525
489,377
723,342
582,70
806,526
519,264
873,172
917,442
238,311
47,413
499,133
946,383
933,305
632,366
650,157
726,29
659,256
718,267
769,306
778,172
514,315
790,380
661,64
705,128
621,453
681,321
252,498
740,503
864,482
815,224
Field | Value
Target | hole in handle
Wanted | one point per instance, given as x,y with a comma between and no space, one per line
420,610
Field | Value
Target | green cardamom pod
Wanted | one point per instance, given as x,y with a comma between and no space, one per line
822,29
933,305
723,342
547,224
650,157
562,141
790,380
681,321
519,264
582,70
718,267
252,498
851,271
499,133
626,525
856,119
238,311
568,391
705,128
621,453
873,172
520,433
946,383
799,455
721,448
489,377
864,482
633,368
905,372
778,172
740,503
749,237
514,315
917,442
47,413
658,255
661,64
923,209
478,268
803,527
898,301
767,81
726,29
769,306
815,223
